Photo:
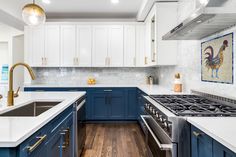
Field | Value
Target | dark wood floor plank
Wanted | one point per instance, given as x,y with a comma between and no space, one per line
114,140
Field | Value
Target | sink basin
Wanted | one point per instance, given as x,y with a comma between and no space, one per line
33,109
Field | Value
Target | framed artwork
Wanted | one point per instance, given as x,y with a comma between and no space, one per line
217,60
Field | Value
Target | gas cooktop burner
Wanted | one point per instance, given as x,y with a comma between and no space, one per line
193,105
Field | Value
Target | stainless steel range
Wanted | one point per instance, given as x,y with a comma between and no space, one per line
167,132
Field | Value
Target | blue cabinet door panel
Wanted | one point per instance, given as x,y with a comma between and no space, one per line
99,106
117,107
202,145
131,104
221,151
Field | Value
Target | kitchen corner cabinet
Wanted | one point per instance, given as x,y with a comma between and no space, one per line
161,52
204,146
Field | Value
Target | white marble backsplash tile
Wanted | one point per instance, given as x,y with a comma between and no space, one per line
102,75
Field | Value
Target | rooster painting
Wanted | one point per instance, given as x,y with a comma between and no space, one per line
215,62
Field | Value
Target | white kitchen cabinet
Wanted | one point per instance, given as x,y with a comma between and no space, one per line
52,46
37,55
141,57
130,46
84,46
100,46
68,46
161,52
116,46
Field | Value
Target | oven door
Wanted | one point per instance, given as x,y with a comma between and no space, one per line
158,142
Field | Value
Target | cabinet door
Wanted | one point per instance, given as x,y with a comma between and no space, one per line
129,46
131,104
68,45
141,58
100,46
202,145
221,151
54,146
116,46
84,46
37,52
52,45
116,102
99,106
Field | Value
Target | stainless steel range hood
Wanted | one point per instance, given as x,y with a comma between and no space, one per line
206,20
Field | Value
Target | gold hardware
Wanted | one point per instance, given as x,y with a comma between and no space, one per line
154,56
109,61
17,92
41,139
39,91
42,61
45,61
145,60
77,61
197,134
10,97
134,60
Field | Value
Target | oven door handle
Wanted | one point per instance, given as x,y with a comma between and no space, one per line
80,105
161,146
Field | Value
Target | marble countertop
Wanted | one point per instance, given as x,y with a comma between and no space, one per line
14,130
221,129
148,89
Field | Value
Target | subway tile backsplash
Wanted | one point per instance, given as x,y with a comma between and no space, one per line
102,75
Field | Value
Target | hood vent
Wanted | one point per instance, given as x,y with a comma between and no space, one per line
205,21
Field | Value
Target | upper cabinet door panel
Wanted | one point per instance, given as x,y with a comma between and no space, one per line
38,46
129,46
116,46
84,46
52,45
68,45
100,46
141,60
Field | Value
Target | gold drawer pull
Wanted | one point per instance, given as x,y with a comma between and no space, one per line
197,134
33,147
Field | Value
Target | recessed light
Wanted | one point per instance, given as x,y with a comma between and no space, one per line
46,1
115,1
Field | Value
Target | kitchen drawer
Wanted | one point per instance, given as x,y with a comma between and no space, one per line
37,144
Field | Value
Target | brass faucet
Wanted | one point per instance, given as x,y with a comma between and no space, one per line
10,97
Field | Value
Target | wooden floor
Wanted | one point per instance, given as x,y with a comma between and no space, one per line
114,140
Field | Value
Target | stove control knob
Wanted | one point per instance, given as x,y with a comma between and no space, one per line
160,118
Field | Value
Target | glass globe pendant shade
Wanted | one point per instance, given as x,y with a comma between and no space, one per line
33,15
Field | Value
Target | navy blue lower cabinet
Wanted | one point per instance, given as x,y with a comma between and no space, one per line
221,151
99,106
202,145
116,103
131,104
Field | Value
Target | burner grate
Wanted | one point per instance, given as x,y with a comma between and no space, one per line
193,105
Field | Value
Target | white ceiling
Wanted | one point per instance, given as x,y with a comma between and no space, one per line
81,8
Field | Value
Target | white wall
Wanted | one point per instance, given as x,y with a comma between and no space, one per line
189,63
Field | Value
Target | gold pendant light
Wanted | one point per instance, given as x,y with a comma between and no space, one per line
33,14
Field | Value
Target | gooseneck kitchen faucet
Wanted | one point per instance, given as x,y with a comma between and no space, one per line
10,97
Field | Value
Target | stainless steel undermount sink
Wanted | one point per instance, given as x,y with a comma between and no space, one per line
33,109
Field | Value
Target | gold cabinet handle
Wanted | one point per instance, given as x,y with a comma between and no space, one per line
154,57
197,134
145,60
134,60
1,96
46,61
33,147
77,61
42,61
